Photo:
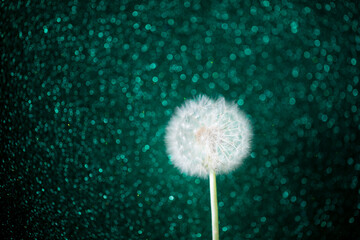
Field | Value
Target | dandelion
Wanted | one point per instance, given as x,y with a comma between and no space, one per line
206,137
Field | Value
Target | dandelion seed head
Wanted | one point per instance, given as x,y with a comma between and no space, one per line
206,134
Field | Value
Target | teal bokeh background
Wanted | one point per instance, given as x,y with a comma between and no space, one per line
88,87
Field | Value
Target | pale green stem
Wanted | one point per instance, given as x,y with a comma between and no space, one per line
214,206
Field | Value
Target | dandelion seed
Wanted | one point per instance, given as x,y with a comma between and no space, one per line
206,134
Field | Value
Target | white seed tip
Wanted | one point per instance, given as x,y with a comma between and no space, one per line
206,134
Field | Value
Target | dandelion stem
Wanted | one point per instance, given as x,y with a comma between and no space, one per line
214,206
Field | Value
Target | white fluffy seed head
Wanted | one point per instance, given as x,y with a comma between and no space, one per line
206,134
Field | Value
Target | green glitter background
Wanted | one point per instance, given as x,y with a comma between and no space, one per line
88,87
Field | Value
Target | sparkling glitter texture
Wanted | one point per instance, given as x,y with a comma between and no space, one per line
87,88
